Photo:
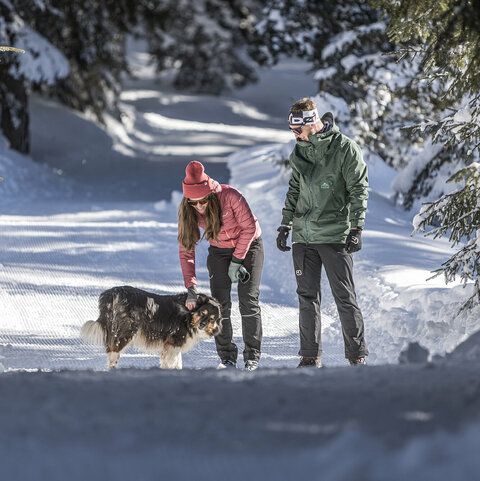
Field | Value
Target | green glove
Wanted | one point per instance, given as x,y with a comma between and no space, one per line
243,275
237,272
233,269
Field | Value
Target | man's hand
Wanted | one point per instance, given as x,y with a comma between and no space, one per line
192,295
282,237
354,240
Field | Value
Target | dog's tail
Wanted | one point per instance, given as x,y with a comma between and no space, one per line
93,333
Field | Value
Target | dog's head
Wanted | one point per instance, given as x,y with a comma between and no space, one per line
207,316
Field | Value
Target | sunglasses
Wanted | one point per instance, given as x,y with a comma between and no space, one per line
296,130
201,201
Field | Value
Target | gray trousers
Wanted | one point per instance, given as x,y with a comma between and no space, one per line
218,261
308,261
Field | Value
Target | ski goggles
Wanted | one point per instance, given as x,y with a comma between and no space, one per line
301,118
201,201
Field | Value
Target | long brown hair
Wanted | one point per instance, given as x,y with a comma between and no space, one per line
188,230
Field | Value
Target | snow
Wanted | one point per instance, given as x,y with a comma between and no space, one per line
339,41
463,115
41,62
110,219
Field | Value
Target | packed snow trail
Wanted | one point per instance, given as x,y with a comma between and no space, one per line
161,131
101,229
55,265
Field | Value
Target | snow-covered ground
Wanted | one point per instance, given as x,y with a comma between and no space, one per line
102,212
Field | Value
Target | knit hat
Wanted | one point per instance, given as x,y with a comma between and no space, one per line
197,184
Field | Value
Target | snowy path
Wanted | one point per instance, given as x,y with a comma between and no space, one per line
161,131
55,264
57,256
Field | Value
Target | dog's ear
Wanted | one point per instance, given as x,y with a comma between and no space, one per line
201,300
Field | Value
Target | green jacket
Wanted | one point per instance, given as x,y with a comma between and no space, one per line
327,192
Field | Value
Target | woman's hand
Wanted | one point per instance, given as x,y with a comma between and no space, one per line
191,300
233,269
190,305
237,272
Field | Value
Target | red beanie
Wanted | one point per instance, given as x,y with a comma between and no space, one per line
197,184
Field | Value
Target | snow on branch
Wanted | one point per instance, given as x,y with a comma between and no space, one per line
458,215
42,62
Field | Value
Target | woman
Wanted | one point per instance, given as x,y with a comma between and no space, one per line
235,253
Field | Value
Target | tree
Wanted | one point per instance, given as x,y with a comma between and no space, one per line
91,36
74,52
458,216
445,37
41,63
83,46
345,43
204,42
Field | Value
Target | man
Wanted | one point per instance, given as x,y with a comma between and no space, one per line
325,209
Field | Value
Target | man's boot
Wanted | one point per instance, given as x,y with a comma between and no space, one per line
310,362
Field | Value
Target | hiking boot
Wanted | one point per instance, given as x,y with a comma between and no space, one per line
310,362
357,361
227,364
251,365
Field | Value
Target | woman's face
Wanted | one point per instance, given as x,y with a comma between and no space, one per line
199,207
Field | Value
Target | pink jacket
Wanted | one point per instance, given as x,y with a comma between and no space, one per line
240,228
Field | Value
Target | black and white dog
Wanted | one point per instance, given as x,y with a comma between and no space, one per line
151,322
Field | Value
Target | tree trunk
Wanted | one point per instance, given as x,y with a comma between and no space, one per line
15,119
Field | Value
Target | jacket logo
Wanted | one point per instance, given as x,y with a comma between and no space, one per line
324,186
298,272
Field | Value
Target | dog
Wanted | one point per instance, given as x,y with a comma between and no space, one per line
152,322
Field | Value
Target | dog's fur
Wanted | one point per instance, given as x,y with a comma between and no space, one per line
152,322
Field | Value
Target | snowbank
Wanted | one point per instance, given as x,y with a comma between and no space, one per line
25,180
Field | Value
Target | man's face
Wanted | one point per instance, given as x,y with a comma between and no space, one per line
302,132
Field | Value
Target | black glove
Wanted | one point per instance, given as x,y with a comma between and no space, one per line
282,237
192,294
354,240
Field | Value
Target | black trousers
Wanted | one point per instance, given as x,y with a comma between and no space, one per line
218,261
338,263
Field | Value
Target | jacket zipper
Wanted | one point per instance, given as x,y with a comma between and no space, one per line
310,186
231,240
311,194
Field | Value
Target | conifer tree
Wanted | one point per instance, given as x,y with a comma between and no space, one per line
204,42
42,63
344,41
445,36
457,215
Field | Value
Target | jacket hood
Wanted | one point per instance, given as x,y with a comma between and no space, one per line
328,118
